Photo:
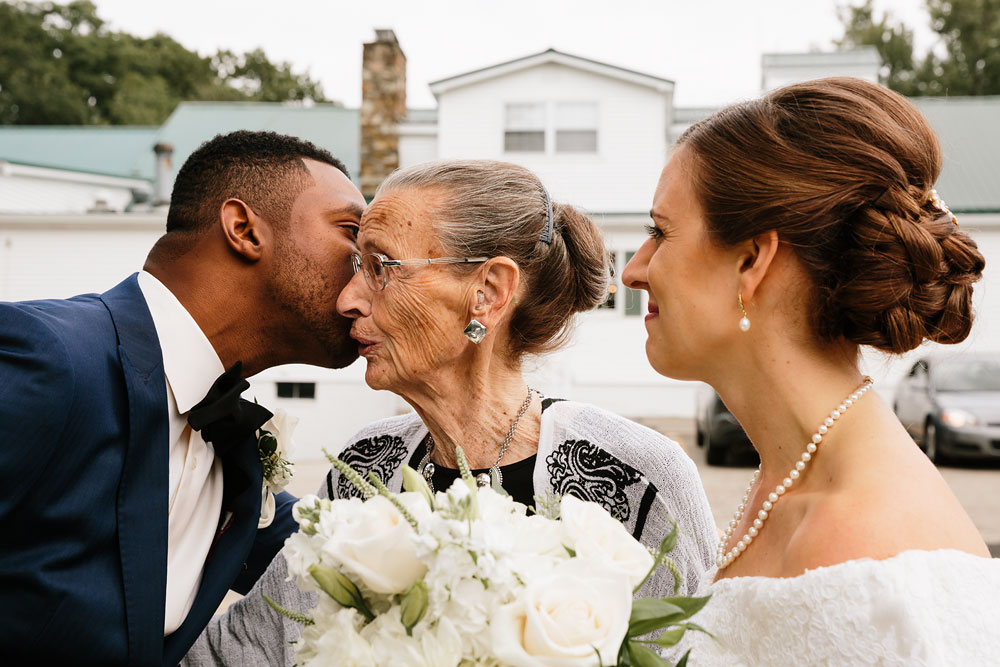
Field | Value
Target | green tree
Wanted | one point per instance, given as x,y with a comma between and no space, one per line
966,60
61,64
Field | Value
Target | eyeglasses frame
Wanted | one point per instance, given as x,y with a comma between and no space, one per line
357,260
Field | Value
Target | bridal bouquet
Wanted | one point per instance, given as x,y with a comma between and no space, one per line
467,576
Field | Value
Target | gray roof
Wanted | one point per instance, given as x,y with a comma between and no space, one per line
969,131
329,126
125,151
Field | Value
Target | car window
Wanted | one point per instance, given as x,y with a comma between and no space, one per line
968,375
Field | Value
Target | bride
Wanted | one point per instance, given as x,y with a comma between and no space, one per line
789,231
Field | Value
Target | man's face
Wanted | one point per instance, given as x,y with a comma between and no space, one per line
313,264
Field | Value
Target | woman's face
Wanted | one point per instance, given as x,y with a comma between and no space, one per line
413,326
692,283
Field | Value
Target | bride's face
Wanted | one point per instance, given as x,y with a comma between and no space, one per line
413,326
692,282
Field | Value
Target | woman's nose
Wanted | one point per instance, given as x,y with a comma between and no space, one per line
355,299
634,275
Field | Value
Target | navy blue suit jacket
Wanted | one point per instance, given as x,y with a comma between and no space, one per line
83,489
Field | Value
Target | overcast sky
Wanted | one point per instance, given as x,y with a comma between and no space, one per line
710,48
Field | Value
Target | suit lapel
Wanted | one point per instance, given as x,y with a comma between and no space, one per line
142,494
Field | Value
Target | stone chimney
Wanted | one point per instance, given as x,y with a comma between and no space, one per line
383,106
163,183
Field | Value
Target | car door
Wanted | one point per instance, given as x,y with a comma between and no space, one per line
912,398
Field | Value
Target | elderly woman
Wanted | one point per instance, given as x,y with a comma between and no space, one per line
465,268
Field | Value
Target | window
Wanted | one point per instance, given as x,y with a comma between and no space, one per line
296,390
576,127
539,127
524,130
633,297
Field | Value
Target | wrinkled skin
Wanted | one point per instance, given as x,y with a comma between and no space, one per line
413,326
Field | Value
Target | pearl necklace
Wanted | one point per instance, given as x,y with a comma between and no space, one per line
724,559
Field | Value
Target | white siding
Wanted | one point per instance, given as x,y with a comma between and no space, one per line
417,143
633,121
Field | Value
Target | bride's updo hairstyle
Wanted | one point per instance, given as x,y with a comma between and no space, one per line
487,208
844,170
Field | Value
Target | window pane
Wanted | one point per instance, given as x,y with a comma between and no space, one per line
633,297
286,389
307,390
576,141
533,142
576,116
525,117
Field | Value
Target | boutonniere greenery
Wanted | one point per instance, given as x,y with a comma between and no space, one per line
274,445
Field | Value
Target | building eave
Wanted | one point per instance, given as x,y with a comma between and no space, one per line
551,56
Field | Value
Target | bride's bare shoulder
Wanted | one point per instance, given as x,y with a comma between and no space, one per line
882,511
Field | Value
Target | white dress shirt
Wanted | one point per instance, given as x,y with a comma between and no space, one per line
190,365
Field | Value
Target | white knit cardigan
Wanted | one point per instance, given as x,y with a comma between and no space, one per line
640,476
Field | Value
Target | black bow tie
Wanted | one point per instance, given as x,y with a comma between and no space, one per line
223,418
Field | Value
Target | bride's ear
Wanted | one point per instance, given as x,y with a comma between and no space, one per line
492,297
755,261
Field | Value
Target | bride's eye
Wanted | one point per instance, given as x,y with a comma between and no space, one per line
655,233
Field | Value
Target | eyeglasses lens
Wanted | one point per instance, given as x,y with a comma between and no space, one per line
374,271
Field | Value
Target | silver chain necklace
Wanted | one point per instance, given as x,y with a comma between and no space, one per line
427,467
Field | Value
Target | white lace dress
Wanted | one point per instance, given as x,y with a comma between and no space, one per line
916,608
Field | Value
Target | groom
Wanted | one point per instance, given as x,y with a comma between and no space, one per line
122,523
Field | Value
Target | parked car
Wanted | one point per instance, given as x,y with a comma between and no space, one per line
951,406
717,430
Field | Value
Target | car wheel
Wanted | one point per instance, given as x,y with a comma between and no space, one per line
714,454
931,441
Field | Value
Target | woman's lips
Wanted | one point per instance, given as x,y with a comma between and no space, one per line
654,311
365,345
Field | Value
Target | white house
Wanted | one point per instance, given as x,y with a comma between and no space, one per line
598,135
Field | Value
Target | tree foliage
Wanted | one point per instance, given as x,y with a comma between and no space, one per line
62,65
965,61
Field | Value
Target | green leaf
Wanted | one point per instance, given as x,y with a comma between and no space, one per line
645,657
670,541
495,483
684,661
298,617
690,605
671,637
651,614
340,588
571,552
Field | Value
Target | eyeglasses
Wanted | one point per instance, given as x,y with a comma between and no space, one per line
373,266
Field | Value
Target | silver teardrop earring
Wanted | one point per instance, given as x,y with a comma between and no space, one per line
744,321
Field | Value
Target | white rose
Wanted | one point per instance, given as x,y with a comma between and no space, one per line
266,508
334,642
565,618
378,545
596,535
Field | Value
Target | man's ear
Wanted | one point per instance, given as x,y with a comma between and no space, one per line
755,262
243,229
500,278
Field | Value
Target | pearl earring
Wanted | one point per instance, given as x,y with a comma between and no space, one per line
744,321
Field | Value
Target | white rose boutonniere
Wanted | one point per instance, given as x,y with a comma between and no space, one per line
274,445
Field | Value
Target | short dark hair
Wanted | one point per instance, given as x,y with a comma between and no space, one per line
263,169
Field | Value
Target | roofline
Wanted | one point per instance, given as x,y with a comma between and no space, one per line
82,175
78,128
442,85
316,106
